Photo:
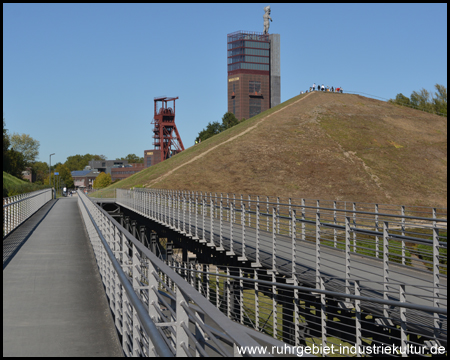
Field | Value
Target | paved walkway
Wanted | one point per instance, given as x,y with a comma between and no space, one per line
53,298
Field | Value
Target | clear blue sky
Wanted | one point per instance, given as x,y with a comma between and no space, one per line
81,78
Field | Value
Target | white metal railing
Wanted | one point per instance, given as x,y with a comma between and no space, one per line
18,208
364,280
288,311
156,312
345,242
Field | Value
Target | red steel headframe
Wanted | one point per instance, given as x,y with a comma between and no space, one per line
165,133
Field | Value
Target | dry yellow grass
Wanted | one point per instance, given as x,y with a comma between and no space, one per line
318,145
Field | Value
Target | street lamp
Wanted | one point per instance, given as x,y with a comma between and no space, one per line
50,169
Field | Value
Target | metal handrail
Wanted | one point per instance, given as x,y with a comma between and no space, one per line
145,320
233,330
426,308
18,208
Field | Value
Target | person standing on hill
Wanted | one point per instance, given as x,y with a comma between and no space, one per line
323,88
314,87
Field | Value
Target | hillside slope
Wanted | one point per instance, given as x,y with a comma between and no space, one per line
319,145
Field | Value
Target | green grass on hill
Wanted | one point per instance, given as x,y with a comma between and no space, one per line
15,186
323,146
141,178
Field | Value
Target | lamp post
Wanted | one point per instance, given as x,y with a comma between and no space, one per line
50,169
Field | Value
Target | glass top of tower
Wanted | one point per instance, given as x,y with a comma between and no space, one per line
248,50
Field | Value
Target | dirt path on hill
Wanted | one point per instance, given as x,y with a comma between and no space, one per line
162,177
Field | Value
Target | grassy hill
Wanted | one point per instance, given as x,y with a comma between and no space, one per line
15,186
317,145
9,180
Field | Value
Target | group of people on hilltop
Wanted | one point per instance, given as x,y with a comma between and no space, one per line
323,88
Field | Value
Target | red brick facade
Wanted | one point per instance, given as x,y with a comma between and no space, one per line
240,99
120,173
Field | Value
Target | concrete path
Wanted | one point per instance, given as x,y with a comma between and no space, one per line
53,298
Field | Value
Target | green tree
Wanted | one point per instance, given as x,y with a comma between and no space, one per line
40,169
16,163
229,120
102,180
424,100
440,99
64,176
401,99
25,144
79,162
133,159
6,144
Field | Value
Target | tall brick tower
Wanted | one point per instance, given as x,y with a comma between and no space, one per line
253,73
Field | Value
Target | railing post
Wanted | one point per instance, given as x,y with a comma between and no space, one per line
243,257
335,223
189,217
257,263
274,239
294,242
403,234
377,241
274,306
354,225
196,215
231,252
402,310
318,277
436,276
303,221
182,320
290,217
385,268
278,215
347,256
255,276
358,332
211,233
220,225
203,219
323,313
249,209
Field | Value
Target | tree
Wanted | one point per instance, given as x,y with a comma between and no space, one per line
133,159
6,144
440,101
102,180
26,145
424,100
401,99
229,120
40,169
64,176
79,162
16,163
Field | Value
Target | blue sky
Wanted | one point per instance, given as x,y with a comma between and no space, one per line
81,78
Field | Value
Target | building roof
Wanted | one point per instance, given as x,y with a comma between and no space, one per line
84,173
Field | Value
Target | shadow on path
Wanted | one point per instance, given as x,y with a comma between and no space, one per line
15,240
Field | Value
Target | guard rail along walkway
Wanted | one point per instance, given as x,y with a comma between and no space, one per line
156,312
376,268
18,208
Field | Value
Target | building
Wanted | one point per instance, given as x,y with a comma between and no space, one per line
253,73
120,172
84,179
106,165
27,174
152,157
